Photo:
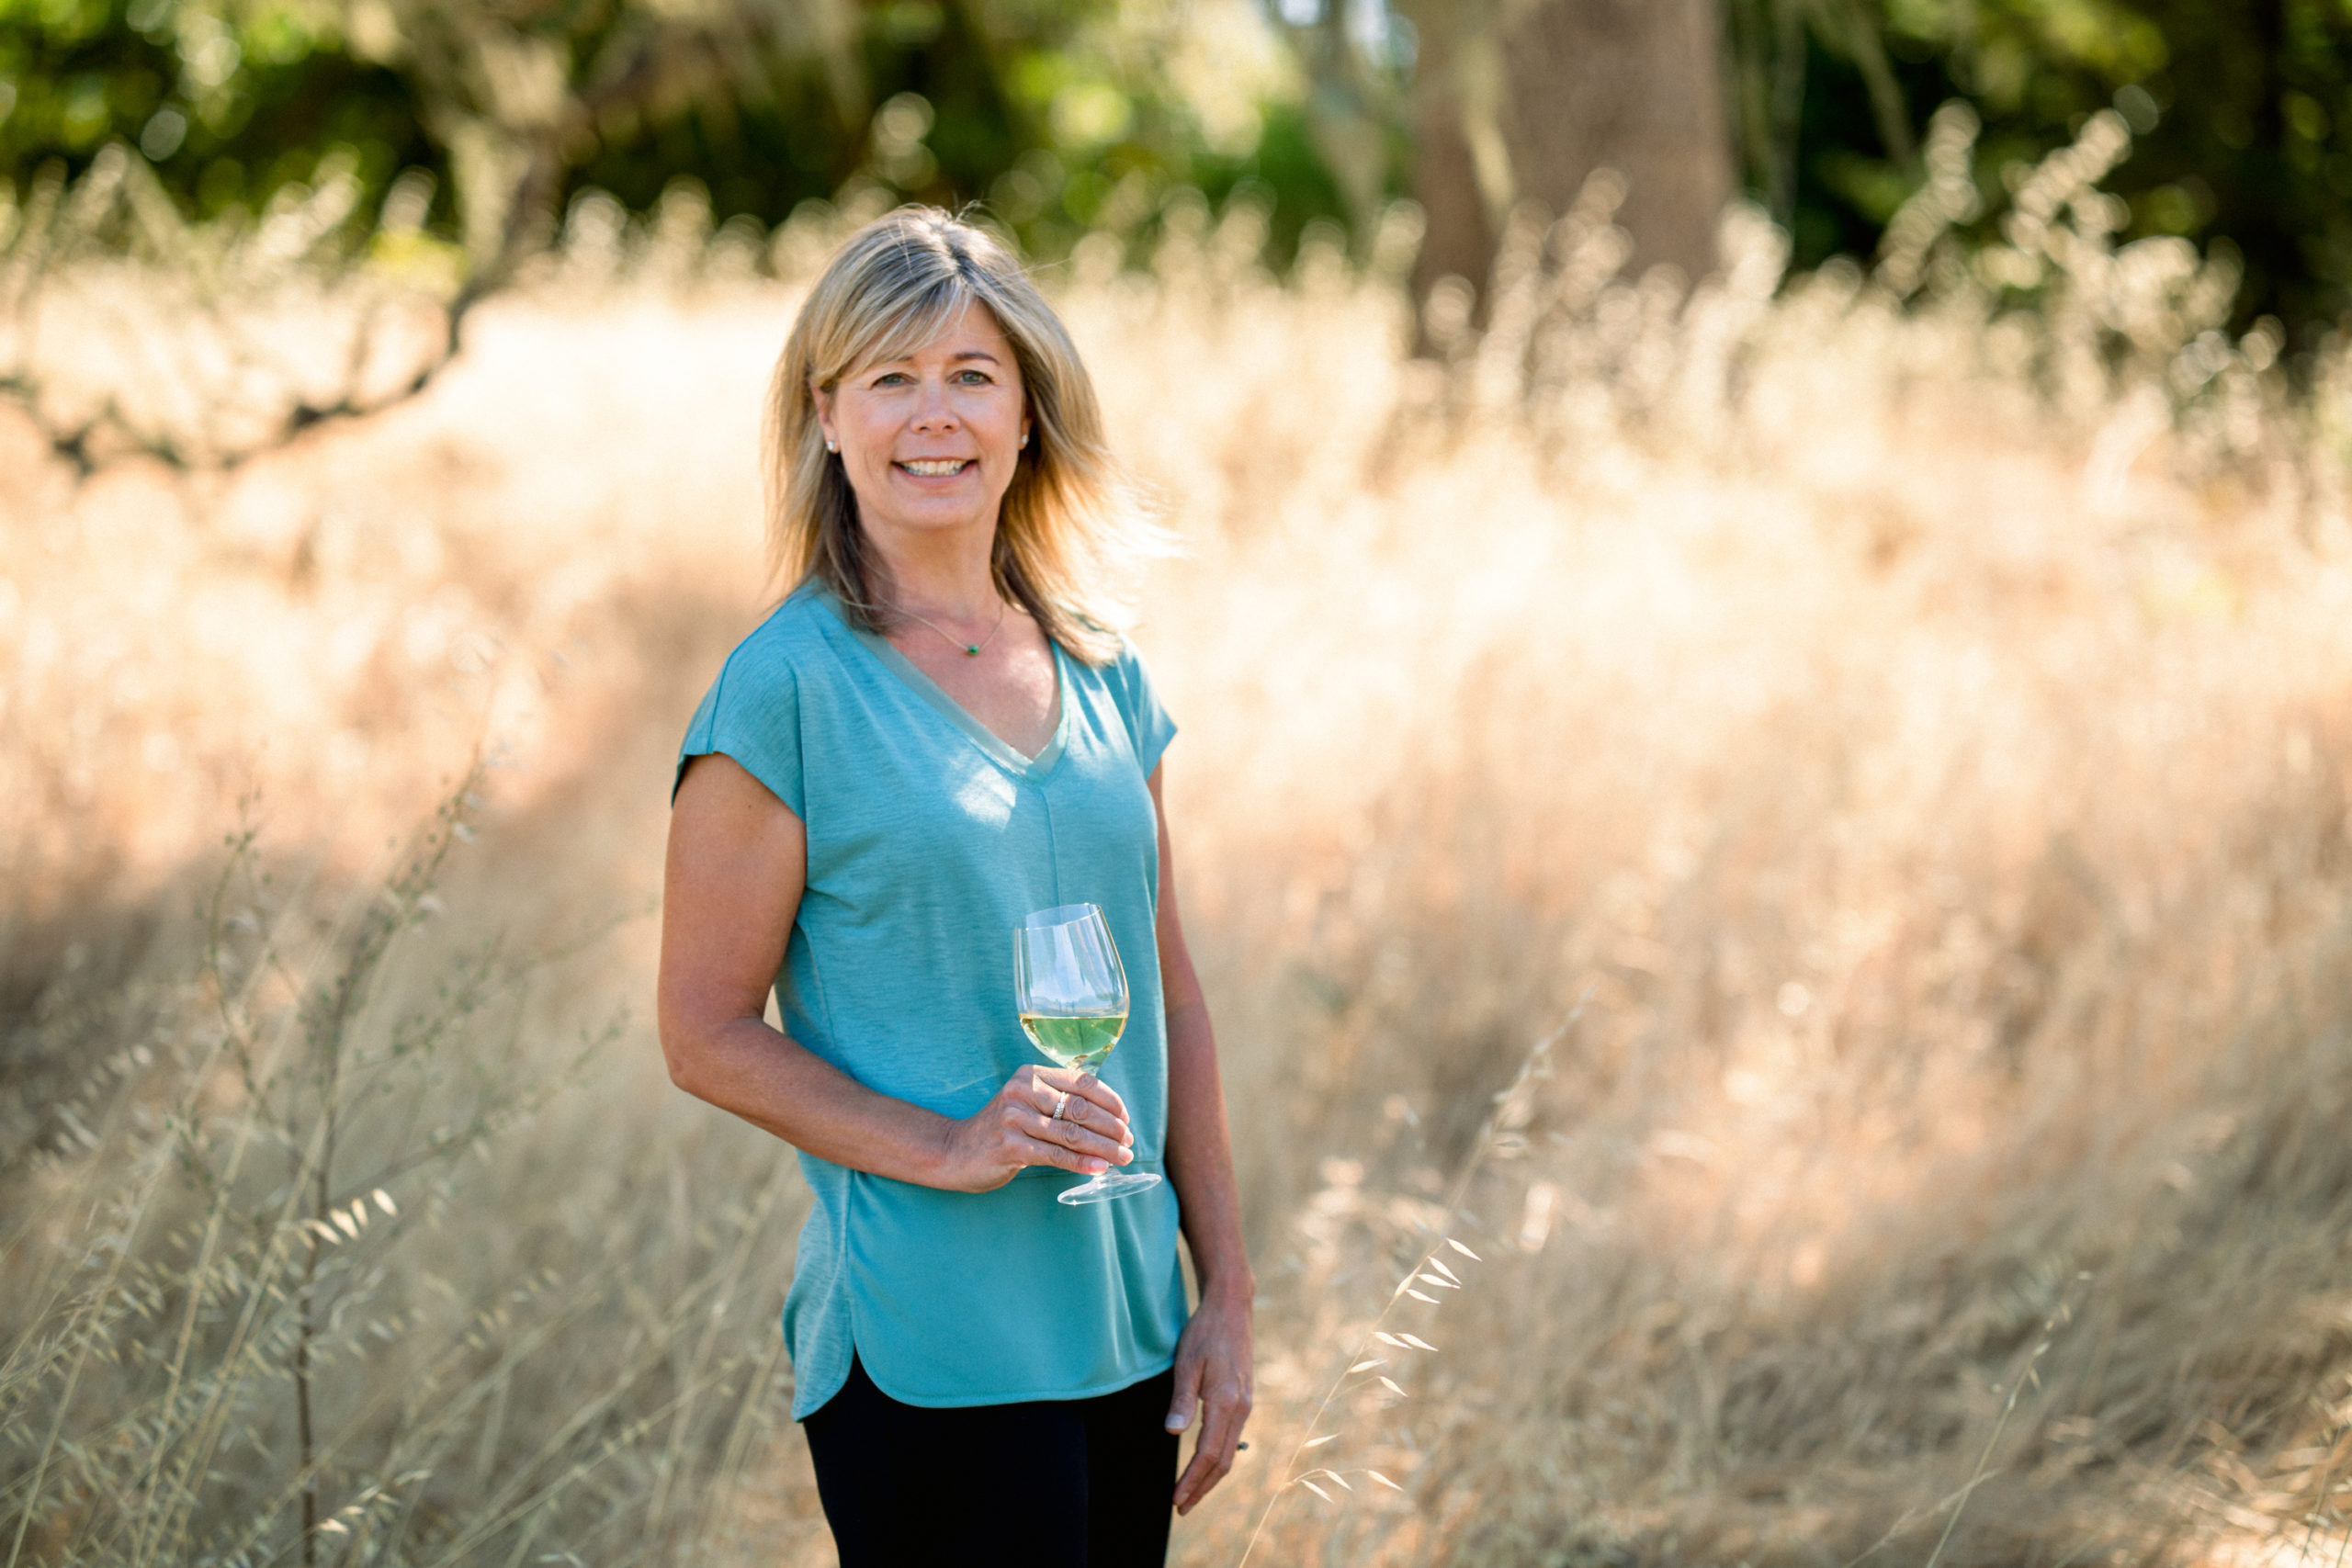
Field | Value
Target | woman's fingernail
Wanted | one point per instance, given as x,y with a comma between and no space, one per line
1178,1421
1096,1166
1126,1155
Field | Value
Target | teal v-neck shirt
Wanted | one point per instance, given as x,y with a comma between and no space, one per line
929,839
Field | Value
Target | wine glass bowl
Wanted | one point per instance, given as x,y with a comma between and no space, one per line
1071,991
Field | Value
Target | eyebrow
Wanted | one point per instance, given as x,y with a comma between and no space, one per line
881,365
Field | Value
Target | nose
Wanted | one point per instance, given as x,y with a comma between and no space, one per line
933,411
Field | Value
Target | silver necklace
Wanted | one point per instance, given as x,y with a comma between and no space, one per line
968,649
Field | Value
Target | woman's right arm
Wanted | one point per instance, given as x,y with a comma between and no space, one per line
738,862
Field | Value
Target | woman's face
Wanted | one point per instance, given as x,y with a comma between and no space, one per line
930,442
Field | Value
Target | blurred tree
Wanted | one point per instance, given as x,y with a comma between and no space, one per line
1359,59
1522,100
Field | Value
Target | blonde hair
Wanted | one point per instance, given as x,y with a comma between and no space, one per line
1068,531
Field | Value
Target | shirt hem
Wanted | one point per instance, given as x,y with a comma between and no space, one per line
964,1401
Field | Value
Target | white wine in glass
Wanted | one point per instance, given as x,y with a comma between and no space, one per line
1072,992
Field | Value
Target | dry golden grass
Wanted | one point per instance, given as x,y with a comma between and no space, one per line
1924,738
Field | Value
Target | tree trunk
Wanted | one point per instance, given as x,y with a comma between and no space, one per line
1521,100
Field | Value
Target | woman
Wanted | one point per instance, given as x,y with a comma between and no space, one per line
935,735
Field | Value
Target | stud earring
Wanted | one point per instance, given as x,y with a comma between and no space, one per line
829,447
1025,438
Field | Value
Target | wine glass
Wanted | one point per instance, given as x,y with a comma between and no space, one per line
1072,995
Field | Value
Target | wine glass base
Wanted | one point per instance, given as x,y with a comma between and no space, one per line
1110,1184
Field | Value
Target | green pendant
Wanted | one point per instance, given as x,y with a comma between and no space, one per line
971,650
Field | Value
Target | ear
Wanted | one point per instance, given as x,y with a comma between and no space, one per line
823,399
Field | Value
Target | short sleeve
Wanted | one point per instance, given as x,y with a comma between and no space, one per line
751,713
1148,725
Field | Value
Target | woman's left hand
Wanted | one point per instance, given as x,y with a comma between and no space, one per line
1212,1391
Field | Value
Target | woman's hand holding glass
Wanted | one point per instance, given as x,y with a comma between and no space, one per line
1057,1116
1072,992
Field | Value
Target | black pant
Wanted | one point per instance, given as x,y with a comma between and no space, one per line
1049,1483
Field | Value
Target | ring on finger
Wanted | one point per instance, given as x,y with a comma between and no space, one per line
1060,1105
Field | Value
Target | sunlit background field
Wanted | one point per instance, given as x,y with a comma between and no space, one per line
1896,752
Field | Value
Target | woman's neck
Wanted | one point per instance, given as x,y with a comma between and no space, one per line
939,573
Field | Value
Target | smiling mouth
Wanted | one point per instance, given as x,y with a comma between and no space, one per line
936,467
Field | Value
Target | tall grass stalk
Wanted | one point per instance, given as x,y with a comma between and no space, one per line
1513,1108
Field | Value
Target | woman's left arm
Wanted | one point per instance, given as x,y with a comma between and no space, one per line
1213,1357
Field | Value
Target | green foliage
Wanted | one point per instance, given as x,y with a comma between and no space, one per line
1062,114
228,104
1043,108
2241,114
